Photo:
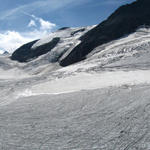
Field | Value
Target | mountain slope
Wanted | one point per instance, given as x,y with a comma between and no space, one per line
2,52
99,103
54,45
71,45
123,21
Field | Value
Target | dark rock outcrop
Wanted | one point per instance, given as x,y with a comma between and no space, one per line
80,30
123,21
63,28
5,53
25,53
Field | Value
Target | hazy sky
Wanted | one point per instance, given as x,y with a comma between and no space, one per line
25,20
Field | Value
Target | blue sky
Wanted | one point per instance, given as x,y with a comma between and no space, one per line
30,19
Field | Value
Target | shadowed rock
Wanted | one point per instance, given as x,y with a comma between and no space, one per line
25,53
81,30
123,21
63,28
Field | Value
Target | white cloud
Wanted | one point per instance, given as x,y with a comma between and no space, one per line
32,23
40,6
46,25
11,40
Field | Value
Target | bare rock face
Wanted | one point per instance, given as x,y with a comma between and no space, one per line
123,21
25,53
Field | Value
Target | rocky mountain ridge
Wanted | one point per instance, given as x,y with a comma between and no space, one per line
70,45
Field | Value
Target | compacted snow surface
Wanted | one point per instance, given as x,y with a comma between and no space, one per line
85,81
101,103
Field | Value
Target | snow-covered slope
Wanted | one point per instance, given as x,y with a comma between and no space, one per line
99,103
121,62
129,52
124,21
135,47
52,47
3,52
49,60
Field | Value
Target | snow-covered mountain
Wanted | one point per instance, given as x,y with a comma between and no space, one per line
55,45
100,102
71,45
124,21
2,52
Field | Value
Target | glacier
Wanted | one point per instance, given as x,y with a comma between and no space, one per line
100,103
